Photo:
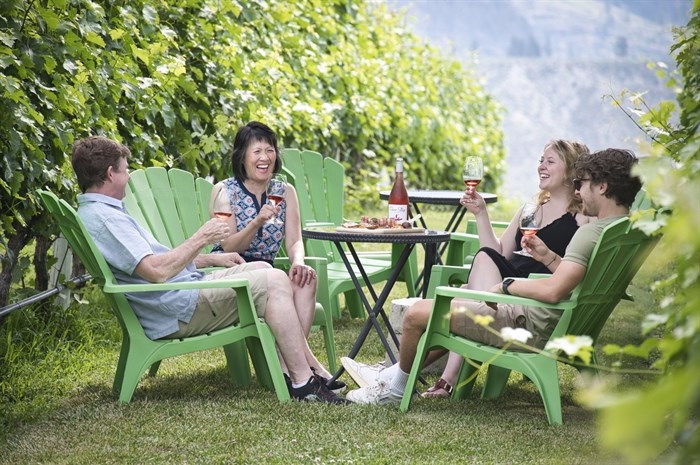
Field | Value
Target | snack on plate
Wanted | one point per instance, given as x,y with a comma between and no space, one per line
383,223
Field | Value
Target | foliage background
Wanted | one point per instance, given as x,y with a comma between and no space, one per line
643,422
174,80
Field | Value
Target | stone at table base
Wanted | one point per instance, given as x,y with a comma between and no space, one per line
398,309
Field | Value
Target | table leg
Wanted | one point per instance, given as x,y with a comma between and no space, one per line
431,256
378,308
452,225
456,219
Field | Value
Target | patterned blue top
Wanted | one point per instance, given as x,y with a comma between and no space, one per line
268,240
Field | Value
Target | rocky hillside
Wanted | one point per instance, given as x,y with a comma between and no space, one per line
551,63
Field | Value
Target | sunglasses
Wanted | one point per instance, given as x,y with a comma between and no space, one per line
578,182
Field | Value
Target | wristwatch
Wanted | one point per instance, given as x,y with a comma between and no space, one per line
506,282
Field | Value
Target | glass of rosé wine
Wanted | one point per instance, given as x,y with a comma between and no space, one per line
530,222
472,173
220,207
275,194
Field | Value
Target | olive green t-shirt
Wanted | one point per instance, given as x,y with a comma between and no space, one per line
541,321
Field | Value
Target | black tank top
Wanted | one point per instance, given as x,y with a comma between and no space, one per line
556,235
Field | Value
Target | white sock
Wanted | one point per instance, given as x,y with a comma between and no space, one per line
298,385
388,373
398,382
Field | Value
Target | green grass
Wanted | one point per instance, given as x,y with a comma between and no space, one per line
190,413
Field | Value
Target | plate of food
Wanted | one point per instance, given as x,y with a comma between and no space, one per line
374,225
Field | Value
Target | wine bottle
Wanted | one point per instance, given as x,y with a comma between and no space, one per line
398,197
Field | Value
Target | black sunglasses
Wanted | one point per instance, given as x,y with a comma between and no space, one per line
578,181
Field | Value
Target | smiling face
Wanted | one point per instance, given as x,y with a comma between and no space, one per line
115,181
551,170
255,154
259,161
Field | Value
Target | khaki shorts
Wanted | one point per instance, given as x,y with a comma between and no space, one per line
507,316
218,308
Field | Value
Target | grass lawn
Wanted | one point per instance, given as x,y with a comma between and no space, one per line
190,413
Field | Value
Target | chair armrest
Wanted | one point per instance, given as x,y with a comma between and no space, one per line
443,295
444,275
485,296
539,275
110,288
316,263
464,237
246,312
461,245
319,224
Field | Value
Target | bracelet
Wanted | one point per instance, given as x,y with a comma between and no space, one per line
552,261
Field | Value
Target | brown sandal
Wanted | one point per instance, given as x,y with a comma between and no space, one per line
439,389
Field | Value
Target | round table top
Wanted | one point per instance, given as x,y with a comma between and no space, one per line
438,197
428,236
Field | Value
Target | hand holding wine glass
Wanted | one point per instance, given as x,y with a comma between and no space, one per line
275,194
530,222
472,173
220,207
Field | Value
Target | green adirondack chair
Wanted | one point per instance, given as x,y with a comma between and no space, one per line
172,204
617,257
138,352
319,182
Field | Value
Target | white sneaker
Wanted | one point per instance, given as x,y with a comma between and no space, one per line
379,393
364,375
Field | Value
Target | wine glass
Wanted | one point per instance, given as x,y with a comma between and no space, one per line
220,206
530,222
472,173
275,194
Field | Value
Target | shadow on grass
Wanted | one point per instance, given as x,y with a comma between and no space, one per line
173,384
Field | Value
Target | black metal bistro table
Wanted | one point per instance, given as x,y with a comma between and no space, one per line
429,239
439,197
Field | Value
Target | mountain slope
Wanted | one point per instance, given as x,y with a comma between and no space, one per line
551,64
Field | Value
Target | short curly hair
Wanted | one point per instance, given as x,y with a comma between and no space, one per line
91,158
614,167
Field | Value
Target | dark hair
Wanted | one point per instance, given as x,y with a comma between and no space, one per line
91,158
614,167
246,135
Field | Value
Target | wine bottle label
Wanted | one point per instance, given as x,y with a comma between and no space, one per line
398,212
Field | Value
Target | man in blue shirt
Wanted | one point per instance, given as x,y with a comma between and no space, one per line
134,256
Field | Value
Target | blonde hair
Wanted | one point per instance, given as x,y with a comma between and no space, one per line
568,151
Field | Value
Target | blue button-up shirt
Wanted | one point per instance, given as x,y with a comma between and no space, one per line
124,243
